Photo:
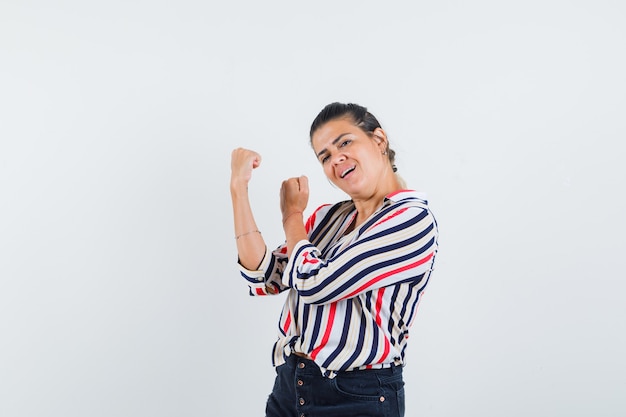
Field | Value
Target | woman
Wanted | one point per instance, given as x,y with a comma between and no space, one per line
353,273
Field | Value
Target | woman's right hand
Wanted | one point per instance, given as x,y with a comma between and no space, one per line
243,161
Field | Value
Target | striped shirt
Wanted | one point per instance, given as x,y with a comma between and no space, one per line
351,297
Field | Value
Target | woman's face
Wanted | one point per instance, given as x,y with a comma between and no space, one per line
351,159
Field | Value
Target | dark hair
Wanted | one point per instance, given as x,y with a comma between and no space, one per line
359,115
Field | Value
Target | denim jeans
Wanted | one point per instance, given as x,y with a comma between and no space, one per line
300,390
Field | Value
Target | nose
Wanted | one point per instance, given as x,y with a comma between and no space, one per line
338,158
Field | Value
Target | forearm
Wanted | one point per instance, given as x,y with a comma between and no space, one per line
250,243
293,224
294,196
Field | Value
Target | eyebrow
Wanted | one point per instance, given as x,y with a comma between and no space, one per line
334,142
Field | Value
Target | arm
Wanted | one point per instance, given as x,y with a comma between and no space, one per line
267,278
251,247
262,268
294,196
397,246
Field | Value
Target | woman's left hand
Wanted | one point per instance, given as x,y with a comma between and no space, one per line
294,195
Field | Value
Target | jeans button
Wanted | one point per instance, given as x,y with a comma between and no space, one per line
301,401
300,382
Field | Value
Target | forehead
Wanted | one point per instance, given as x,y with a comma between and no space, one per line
331,130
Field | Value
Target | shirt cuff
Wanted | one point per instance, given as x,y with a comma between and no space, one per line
294,262
259,273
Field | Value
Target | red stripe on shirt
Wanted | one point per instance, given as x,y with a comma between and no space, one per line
311,220
379,303
386,274
287,323
391,216
386,350
329,327
395,193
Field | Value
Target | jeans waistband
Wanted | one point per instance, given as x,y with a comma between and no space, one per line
293,360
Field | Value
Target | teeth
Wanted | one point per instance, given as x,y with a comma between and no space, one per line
344,173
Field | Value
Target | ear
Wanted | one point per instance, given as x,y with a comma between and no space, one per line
380,137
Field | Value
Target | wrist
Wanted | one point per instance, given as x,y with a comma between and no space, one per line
292,215
238,187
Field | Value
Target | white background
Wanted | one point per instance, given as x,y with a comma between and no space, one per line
119,294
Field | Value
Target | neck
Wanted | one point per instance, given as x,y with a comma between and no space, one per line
365,207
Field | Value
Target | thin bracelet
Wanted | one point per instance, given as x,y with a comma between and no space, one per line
247,233
295,212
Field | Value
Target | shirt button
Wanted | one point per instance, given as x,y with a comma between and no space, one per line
300,382
301,401
301,365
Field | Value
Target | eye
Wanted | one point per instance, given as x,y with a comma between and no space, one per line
324,159
345,143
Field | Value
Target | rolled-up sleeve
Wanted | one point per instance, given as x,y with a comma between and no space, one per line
266,279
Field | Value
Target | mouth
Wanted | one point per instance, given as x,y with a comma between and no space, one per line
346,172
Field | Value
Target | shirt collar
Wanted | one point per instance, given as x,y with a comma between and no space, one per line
404,194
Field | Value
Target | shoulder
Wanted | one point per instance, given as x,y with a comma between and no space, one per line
408,198
409,206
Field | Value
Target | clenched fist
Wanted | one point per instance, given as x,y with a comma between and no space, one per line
243,161
294,195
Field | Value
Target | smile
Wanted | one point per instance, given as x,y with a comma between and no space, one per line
346,172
